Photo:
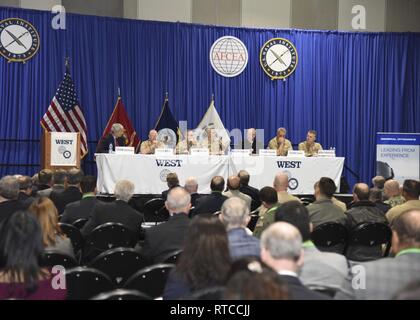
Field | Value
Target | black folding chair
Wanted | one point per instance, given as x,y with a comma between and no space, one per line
330,237
151,209
74,234
366,240
84,283
150,280
162,215
51,258
306,201
108,236
79,223
119,264
122,294
173,257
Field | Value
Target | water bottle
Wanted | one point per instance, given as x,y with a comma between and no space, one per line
110,149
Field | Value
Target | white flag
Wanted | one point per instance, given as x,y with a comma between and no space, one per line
211,120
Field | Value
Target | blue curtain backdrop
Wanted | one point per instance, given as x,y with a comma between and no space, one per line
347,86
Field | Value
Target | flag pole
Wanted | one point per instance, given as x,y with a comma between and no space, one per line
119,92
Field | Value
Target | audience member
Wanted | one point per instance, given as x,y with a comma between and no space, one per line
233,185
393,193
213,202
9,190
25,191
191,185
411,193
269,200
72,193
59,178
375,196
247,189
172,181
281,184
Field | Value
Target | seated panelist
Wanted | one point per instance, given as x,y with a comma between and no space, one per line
280,143
116,138
310,147
150,145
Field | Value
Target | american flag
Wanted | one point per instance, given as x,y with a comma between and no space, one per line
64,113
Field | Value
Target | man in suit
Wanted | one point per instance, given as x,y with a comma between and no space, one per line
168,237
45,179
281,184
9,189
83,208
233,185
247,189
383,278
172,182
281,250
113,139
323,209
235,217
363,211
411,194
280,143
59,177
310,147
118,211
70,194
322,270
375,196
251,142
25,191
214,201
191,185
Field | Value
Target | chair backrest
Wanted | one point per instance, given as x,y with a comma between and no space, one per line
119,264
51,258
122,294
79,223
172,257
162,215
214,293
84,283
329,234
154,205
306,201
74,234
254,205
253,222
111,235
150,280
370,234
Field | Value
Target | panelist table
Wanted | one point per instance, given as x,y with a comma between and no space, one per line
148,172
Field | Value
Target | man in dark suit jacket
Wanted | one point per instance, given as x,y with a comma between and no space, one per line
281,249
191,186
113,139
213,202
168,237
251,142
25,191
82,209
248,190
118,211
45,179
71,193
172,181
9,189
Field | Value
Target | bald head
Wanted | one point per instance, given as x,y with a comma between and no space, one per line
392,188
178,201
361,192
153,135
235,213
191,185
243,177
217,183
406,231
233,183
281,182
9,188
282,241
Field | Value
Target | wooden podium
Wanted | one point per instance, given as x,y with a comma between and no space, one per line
60,150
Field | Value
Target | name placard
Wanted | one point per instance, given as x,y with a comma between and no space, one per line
164,152
241,152
268,152
295,153
199,152
326,153
124,150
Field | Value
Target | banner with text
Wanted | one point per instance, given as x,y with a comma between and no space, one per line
64,148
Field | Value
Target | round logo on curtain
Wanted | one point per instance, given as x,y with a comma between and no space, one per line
228,56
278,58
19,40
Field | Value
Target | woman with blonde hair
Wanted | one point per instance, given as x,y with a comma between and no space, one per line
52,236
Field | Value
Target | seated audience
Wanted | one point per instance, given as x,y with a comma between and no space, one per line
281,250
269,200
83,208
411,193
58,181
247,189
25,191
363,211
118,211
71,193
281,184
213,202
235,216
191,185
9,190
52,236
233,185
323,209
378,182
168,237
45,179
205,260
384,278
21,247
392,192
321,270
375,196
172,182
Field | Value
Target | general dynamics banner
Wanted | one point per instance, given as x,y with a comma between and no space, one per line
398,155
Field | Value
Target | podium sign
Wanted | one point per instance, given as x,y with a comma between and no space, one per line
61,150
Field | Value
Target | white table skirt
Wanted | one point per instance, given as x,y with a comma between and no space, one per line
148,172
